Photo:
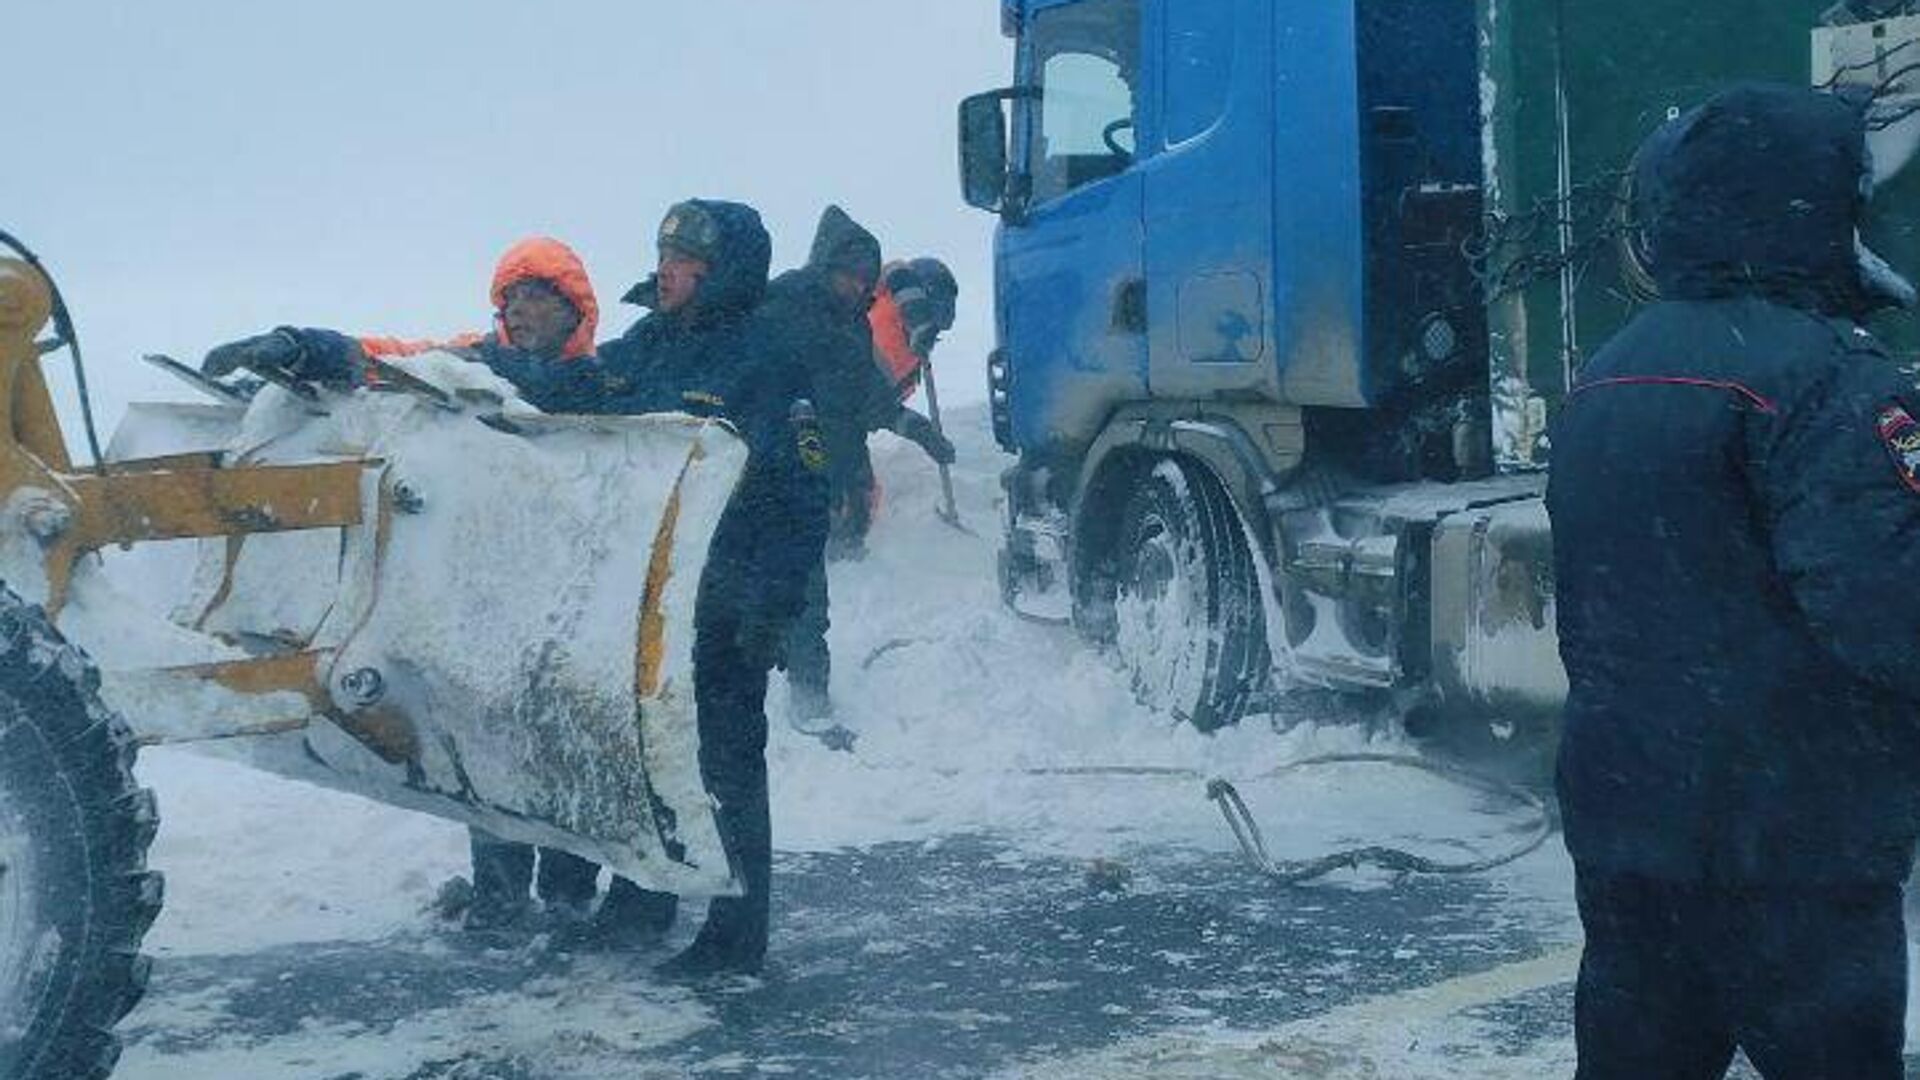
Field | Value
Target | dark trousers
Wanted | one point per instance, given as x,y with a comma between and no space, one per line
1810,982
503,870
730,699
809,664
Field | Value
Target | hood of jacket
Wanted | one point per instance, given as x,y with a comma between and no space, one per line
1761,191
841,243
551,261
736,275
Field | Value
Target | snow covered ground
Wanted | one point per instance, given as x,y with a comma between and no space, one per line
947,902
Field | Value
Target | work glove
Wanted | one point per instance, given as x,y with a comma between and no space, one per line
315,356
920,431
763,642
281,350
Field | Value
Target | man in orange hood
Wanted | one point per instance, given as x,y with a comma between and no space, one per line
545,317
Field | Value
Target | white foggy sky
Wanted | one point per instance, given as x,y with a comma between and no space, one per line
196,172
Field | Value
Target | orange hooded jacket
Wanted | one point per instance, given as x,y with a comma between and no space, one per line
539,257
890,346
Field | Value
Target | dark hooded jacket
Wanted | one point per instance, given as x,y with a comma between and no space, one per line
1736,516
704,359
806,326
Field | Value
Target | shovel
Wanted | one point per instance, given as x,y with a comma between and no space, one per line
947,511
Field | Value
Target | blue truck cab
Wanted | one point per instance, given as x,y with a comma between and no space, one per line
1270,426
1197,219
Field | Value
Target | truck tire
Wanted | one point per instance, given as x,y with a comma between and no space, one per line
1189,622
75,894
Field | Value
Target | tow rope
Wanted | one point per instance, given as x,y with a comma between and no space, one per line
1239,818
1293,871
1246,831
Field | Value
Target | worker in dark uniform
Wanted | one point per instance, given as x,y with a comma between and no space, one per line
814,319
1736,519
698,352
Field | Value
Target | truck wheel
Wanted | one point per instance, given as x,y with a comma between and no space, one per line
75,894
1189,622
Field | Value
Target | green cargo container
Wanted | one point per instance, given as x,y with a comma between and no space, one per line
1570,88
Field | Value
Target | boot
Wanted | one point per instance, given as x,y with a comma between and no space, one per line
808,703
502,872
630,918
733,940
709,957
566,885
490,915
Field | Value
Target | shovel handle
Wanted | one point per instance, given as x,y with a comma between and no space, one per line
950,512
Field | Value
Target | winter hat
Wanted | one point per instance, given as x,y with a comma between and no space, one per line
730,238
924,291
546,259
936,274
690,229
839,243
942,290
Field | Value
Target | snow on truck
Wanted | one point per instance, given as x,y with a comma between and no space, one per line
1286,290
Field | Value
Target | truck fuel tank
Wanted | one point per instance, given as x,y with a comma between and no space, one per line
1496,653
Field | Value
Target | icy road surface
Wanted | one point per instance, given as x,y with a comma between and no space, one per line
939,909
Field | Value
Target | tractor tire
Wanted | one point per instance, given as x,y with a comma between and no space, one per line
1189,622
75,894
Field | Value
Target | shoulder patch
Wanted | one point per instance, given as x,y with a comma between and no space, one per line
1899,432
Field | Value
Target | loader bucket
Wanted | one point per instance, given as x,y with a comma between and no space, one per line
503,638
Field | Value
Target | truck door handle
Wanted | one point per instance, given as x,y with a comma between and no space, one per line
1130,307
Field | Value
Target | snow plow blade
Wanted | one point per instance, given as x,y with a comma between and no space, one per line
488,617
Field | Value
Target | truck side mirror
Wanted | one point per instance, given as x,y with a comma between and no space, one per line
984,176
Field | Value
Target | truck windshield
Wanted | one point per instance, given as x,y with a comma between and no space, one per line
1084,57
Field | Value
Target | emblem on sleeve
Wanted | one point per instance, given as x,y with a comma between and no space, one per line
813,450
807,438
1899,432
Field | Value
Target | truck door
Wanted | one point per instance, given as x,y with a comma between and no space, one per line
1073,320
1209,196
